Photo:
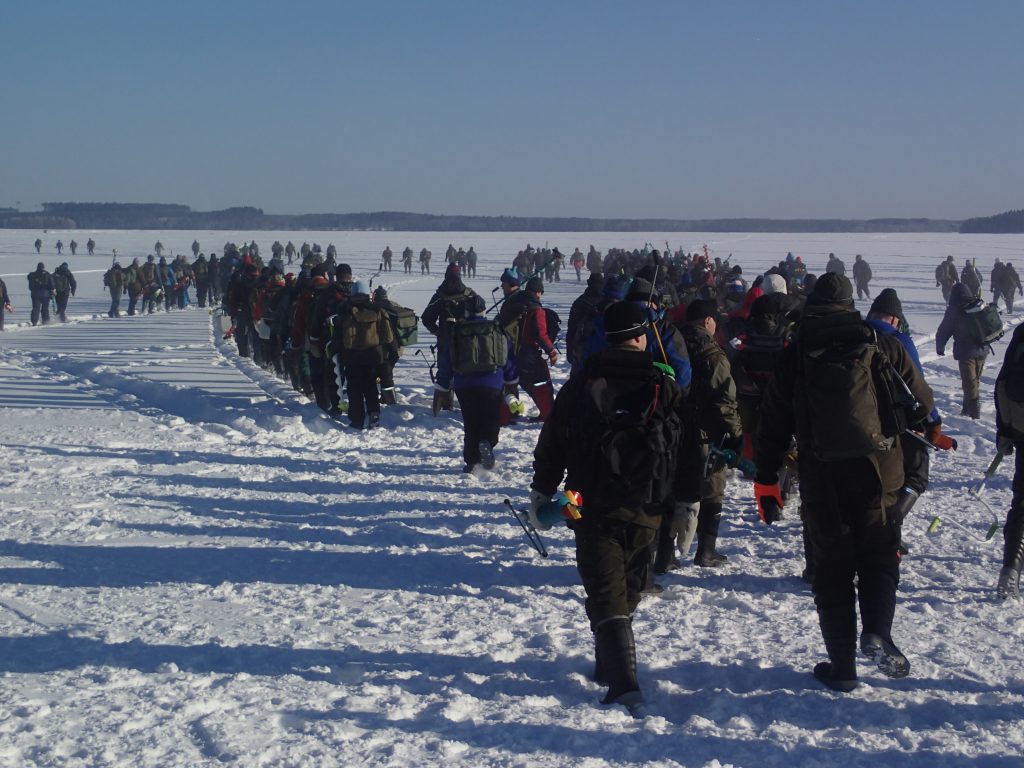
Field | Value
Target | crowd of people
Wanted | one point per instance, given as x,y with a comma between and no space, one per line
680,371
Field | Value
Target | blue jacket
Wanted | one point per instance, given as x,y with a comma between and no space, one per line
908,344
679,361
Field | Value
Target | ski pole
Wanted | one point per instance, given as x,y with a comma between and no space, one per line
531,533
933,528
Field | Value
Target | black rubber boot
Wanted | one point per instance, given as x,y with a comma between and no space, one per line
616,649
708,519
1013,558
664,547
838,621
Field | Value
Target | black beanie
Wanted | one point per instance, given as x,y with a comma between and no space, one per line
831,289
700,309
887,303
596,280
624,320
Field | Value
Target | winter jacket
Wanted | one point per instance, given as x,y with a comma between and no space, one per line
861,271
911,348
40,284
785,411
955,325
562,446
711,401
63,281
446,307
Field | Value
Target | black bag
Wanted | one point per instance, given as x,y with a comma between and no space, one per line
850,402
628,440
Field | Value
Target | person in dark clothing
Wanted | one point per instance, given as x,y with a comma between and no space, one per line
1010,440
712,420
886,317
114,281
64,286
835,266
1005,284
41,290
366,340
851,474
480,398
446,307
861,277
946,277
971,277
615,531
967,351
5,303
581,315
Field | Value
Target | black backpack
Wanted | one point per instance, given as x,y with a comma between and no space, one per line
627,440
857,403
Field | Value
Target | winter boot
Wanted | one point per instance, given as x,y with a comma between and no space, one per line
486,455
1008,586
885,654
1013,557
838,677
616,649
974,408
708,518
707,556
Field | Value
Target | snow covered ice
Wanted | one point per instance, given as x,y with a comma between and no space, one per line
199,568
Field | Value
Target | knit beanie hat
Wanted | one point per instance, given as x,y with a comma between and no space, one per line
887,303
831,289
624,320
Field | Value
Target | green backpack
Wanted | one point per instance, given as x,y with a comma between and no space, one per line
478,346
405,324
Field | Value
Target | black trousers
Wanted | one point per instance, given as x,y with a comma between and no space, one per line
62,304
40,307
480,409
612,558
362,393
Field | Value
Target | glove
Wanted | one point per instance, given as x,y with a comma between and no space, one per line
537,500
933,434
897,513
769,500
1005,445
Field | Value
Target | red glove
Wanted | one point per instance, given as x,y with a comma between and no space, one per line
769,501
933,434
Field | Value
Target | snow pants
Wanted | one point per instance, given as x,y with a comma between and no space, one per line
612,558
480,408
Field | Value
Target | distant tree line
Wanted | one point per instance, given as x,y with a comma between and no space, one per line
171,216
1009,223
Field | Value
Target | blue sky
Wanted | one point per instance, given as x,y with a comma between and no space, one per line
607,109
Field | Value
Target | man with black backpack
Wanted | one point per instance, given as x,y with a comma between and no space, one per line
973,328
835,389
446,308
64,286
613,433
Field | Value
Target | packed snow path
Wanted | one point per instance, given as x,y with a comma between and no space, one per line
198,568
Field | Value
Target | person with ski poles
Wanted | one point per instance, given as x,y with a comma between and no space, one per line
613,434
